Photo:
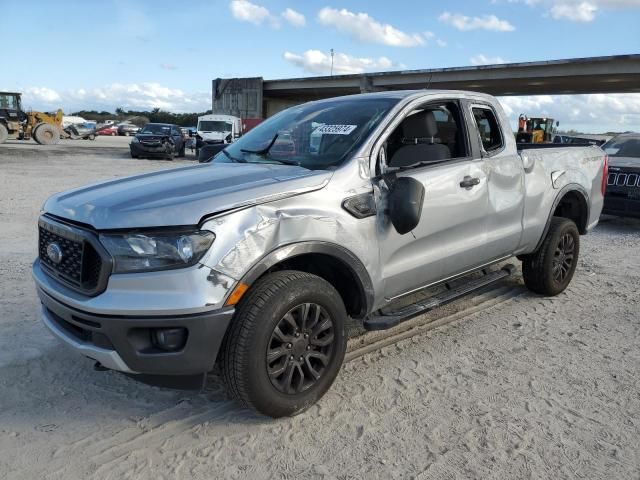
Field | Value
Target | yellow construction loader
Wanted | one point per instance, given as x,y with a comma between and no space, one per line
535,130
44,128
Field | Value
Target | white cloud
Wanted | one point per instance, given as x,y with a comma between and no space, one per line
431,38
486,22
579,12
576,10
361,26
315,61
41,95
482,59
142,96
246,11
294,18
596,113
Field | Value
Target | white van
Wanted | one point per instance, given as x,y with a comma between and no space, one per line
219,128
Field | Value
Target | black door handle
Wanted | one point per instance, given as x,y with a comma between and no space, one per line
469,182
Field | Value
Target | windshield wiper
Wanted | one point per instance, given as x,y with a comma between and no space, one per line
233,159
263,151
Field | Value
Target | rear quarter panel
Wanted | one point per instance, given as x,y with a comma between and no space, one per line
572,168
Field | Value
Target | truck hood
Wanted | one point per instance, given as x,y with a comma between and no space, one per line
624,162
181,196
214,135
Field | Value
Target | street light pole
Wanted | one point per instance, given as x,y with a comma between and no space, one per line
332,62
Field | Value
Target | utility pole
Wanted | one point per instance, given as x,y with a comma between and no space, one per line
332,62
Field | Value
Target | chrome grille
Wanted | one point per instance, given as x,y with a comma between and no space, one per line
622,179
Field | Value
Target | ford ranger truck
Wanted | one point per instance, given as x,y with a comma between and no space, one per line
256,260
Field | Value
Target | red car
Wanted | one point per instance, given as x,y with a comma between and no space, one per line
111,130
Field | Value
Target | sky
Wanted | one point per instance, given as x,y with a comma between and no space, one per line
164,54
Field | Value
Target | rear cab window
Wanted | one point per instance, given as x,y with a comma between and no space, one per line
489,132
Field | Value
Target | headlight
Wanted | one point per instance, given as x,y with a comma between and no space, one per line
162,251
134,140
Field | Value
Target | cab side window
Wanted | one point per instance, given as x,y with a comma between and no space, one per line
488,129
432,133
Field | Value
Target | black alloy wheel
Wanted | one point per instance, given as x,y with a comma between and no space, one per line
563,257
300,348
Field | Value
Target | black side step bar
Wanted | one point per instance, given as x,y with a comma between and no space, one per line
383,321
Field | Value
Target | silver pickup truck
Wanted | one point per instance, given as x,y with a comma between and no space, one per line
333,209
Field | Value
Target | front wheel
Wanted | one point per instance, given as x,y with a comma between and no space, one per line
549,270
4,133
286,343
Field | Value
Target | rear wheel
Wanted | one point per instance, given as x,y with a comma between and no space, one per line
47,134
549,270
4,133
286,343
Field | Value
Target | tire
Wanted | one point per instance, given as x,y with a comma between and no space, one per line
4,133
549,270
33,131
126,134
92,137
113,134
276,298
47,134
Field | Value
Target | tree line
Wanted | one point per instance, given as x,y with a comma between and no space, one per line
141,117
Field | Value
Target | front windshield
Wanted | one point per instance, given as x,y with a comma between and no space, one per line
156,129
623,147
214,126
315,135
8,101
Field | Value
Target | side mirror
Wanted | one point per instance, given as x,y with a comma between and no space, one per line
558,123
406,197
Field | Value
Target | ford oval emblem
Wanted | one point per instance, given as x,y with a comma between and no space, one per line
54,252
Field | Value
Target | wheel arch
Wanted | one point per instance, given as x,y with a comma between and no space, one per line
571,202
332,262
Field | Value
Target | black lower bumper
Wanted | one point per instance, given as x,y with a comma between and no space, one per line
621,206
139,149
131,337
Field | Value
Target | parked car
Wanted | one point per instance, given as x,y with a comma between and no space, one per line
86,131
127,129
109,130
623,183
158,140
256,260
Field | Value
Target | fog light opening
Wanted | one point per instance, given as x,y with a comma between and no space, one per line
169,339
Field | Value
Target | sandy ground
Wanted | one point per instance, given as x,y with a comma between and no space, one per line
509,385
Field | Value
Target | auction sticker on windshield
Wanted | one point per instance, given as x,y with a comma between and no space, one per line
335,129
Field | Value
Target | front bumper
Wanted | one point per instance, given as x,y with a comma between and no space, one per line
124,343
161,150
113,328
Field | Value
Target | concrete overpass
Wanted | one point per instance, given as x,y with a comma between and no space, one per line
258,98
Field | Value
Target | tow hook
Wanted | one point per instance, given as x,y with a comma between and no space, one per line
98,367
